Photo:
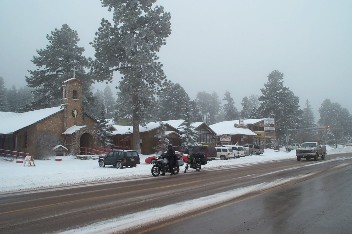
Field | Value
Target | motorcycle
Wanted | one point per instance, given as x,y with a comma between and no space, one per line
161,166
194,162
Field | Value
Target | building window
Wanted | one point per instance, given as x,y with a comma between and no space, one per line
75,94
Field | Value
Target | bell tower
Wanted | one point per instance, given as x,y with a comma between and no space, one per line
72,101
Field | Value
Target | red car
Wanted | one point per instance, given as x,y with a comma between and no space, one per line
149,159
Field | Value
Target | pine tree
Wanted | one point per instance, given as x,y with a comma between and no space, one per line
229,109
3,98
109,102
104,133
194,112
189,136
55,64
173,102
279,102
209,106
307,130
163,141
250,107
337,121
129,45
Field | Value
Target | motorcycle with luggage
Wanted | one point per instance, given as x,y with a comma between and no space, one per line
195,161
161,166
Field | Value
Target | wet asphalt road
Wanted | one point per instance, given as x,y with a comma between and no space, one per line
321,204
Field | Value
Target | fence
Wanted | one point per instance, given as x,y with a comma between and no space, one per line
11,155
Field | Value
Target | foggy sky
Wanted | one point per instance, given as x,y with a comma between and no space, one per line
215,46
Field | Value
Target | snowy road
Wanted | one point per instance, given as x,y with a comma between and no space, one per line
118,206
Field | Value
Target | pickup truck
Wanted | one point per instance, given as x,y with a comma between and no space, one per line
310,150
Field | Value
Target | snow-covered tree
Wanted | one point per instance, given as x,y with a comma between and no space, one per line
3,99
104,133
173,102
229,109
337,120
308,125
189,136
58,62
109,102
209,106
250,107
280,103
163,141
129,45
19,99
194,112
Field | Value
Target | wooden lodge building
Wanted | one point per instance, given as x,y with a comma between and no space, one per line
38,132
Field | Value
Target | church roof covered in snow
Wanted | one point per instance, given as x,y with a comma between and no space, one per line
11,122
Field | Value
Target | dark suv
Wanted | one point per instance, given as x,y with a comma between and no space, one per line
120,159
208,151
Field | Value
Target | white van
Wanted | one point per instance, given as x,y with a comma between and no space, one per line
224,153
238,151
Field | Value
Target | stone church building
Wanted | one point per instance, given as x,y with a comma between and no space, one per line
38,132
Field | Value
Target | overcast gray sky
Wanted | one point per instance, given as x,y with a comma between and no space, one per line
215,46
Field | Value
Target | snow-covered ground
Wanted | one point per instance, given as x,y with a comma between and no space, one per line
71,171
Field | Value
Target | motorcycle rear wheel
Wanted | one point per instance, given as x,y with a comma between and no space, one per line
198,166
155,170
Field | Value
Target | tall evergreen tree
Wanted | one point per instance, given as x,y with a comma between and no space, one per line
229,109
173,102
58,62
209,106
250,107
308,125
189,136
163,141
104,133
337,121
3,98
97,105
194,112
109,102
129,45
279,102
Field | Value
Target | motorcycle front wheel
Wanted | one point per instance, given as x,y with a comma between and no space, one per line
155,170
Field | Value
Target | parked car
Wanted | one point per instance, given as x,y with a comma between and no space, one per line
224,153
237,150
309,150
251,149
120,158
208,151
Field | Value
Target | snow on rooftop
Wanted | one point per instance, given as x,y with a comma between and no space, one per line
251,121
174,123
121,130
73,129
228,128
11,121
196,124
